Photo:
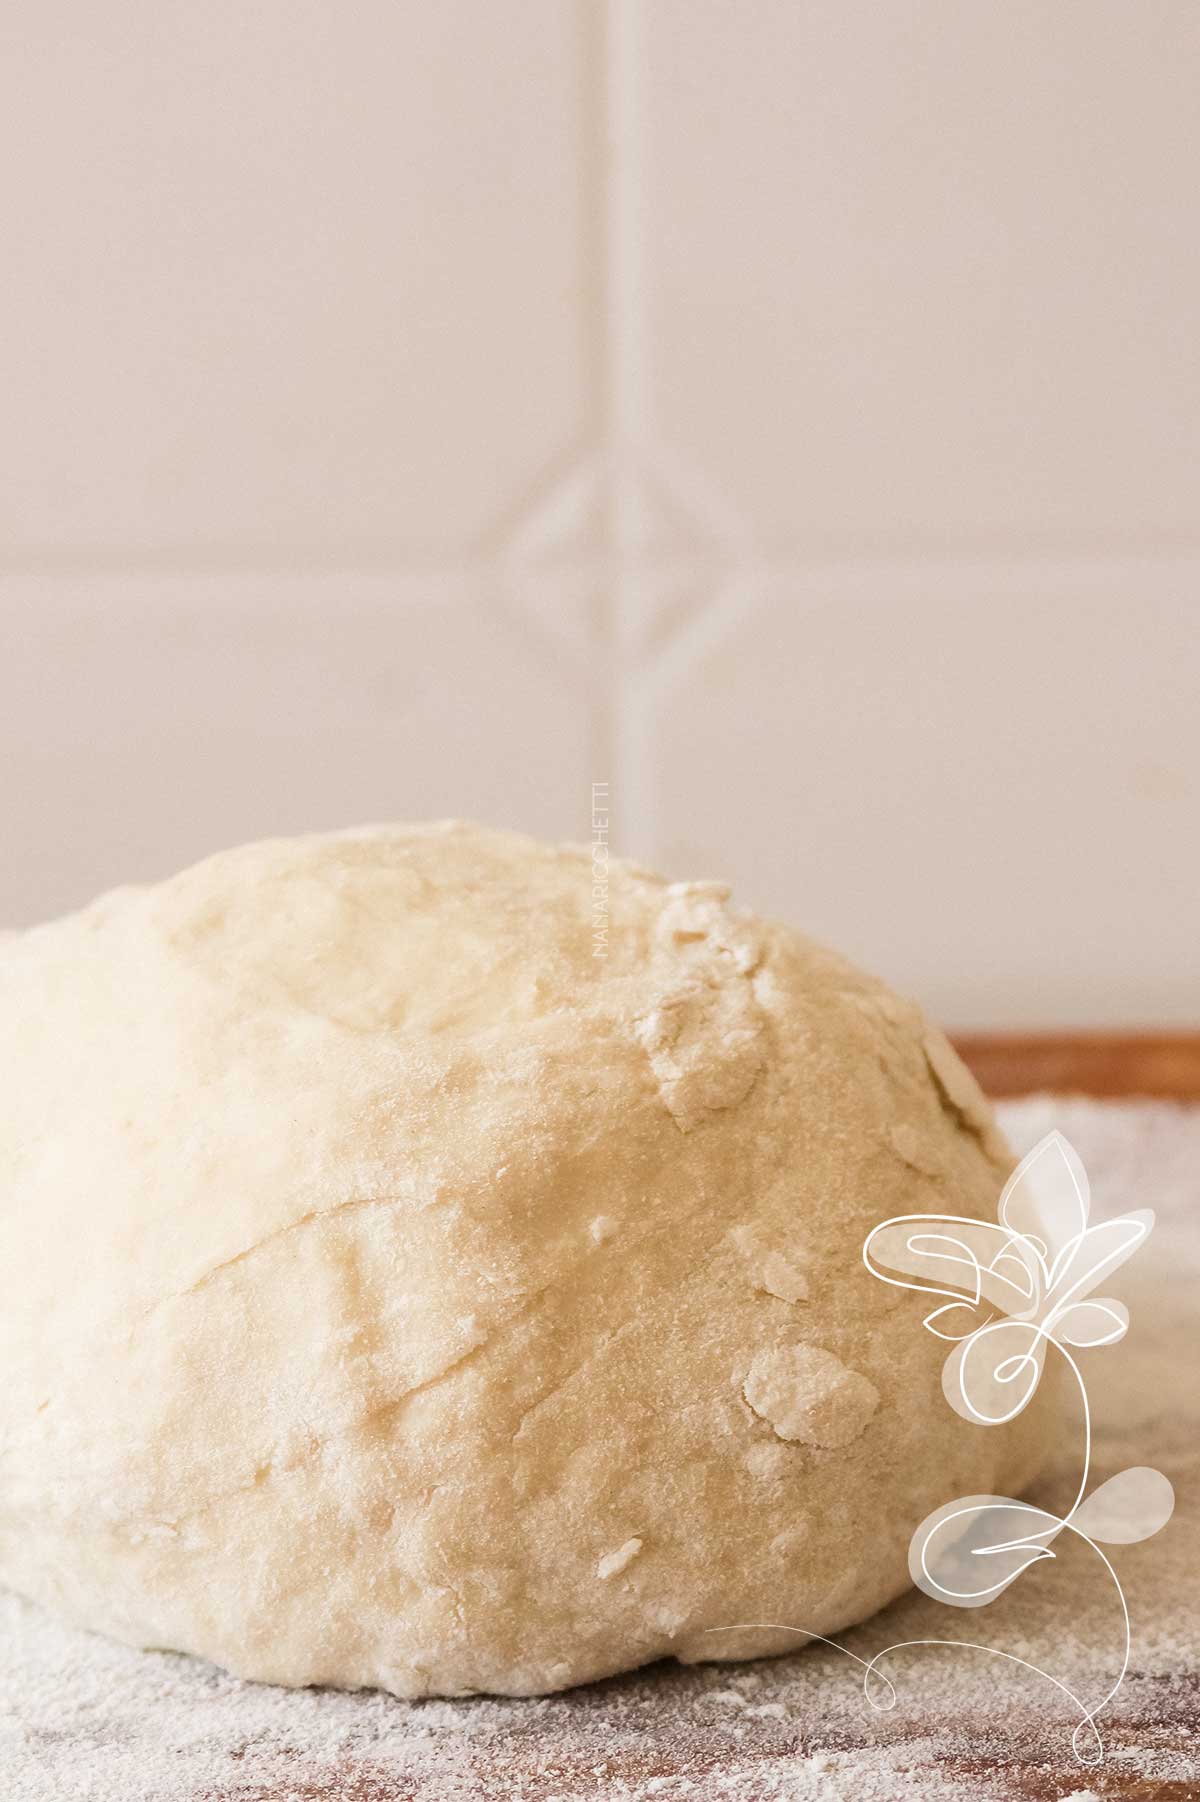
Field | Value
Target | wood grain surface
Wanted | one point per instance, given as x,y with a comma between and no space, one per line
1104,1064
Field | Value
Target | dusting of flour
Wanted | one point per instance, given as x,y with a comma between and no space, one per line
83,1720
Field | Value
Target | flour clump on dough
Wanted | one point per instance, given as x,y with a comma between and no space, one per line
406,1297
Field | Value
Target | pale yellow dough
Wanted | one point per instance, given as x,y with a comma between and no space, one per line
397,1294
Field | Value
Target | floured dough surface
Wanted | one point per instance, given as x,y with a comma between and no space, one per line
807,1394
410,1298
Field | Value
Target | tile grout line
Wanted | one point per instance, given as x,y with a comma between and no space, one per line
930,562
624,388
598,154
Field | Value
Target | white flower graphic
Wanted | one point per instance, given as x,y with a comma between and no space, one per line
1028,1283
1027,1279
1012,1289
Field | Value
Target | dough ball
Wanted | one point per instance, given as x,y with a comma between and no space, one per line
398,1293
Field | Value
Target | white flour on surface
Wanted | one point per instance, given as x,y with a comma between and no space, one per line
83,1720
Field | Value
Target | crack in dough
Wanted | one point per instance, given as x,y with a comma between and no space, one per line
313,1216
782,1279
912,1149
961,1094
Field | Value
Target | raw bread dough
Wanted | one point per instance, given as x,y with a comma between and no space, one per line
397,1293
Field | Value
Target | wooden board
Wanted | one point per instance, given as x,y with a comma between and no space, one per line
1160,1064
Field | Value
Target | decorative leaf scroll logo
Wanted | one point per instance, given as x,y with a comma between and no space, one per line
1014,1290
1028,1279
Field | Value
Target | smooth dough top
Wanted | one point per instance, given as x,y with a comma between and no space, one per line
407,1295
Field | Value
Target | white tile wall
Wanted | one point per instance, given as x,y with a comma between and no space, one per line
980,780
154,718
288,277
948,256
788,413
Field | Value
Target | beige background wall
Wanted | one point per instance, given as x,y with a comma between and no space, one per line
788,413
